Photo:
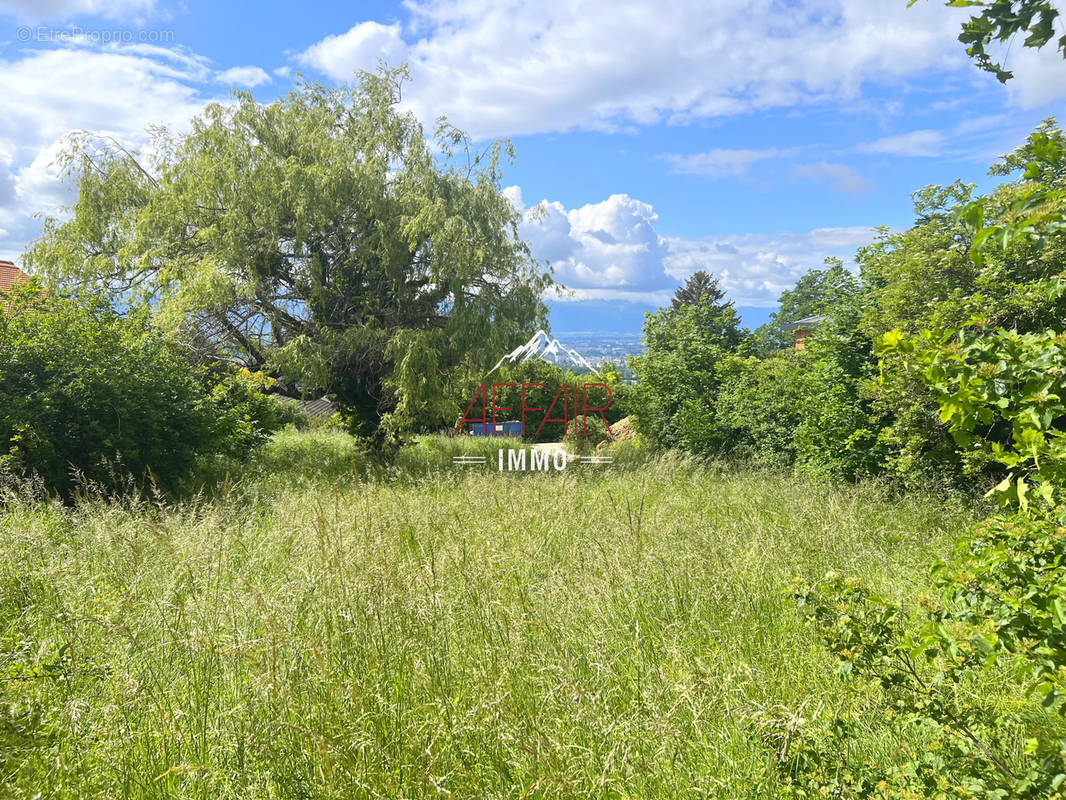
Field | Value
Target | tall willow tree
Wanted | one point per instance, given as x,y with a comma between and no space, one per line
321,238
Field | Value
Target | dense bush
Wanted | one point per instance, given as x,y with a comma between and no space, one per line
89,395
1001,609
680,372
247,415
760,406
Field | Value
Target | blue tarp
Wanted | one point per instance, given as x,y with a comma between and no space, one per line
509,428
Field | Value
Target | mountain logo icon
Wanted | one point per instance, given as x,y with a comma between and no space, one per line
551,350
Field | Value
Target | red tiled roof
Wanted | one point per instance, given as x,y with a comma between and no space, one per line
10,275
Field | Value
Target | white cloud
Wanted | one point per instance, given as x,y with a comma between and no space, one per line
49,93
184,64
341,56
516,68
756,268
721,163
1039,76
840,177
37,10
514,195
612,244
243,76
915,143
611,250
993,122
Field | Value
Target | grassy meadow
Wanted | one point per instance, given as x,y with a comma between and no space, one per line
319,627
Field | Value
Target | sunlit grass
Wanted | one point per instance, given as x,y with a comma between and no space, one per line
322,629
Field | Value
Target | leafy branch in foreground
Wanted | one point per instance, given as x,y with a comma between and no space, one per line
1002,20
984,381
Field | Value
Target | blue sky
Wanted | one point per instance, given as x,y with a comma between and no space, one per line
751,138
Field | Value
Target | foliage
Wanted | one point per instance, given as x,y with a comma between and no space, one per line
816,291
1032,212
1003,394
924,278
811,406
760,405
801,408
839,436
837,410
679,372
701,288
88,395
247,415
929,677
321,238
1002,20
921,277
1001,609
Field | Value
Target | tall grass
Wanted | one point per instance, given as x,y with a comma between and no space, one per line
320,630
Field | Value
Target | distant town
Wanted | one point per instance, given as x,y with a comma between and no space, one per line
599,348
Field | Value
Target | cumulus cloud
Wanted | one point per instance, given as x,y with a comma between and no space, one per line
243,76
50,92
721,163
514,196
341,56
611,250
611,244
756,267
840,177
515,68
915,143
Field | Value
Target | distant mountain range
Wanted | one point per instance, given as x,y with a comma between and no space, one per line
551,350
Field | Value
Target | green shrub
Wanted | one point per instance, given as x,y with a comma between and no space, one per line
760,405
1001,610
1003,396
679,372
247,414
89,395
804,408
837,438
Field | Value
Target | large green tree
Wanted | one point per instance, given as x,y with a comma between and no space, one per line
322,238
679,372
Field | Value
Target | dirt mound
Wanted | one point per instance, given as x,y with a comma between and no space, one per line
623,430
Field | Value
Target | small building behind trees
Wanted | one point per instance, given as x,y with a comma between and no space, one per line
802,328
10,276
